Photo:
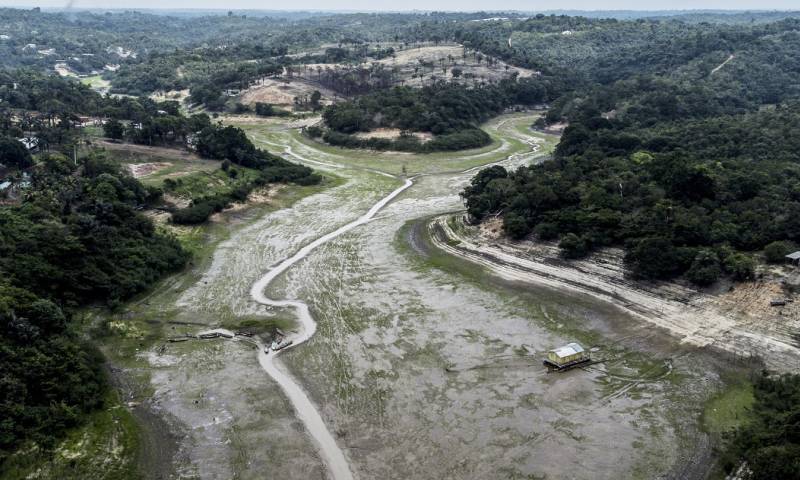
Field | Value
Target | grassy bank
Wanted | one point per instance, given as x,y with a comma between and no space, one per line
105,447
110,445
502,146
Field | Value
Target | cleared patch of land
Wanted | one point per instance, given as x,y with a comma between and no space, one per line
393,133
97,83
440,60
282,91
154,164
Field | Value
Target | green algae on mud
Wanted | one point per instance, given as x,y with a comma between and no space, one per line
141,322
729,408
146,321
628,368
401,163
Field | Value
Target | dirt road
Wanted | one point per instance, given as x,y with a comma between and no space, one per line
331,453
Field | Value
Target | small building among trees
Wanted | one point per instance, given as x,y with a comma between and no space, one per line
793,258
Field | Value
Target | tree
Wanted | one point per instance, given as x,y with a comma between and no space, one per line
573,246
114,129
14,154
315,98
705,268
653,257
741,266
515,226
776,252
264,109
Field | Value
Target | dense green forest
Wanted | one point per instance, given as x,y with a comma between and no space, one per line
451,111
75,239
688,169
770,442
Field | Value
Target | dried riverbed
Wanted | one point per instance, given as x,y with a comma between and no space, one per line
421,367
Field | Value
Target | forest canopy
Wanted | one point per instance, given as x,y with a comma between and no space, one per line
76,239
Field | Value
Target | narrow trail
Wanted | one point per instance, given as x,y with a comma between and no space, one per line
717,68
331,454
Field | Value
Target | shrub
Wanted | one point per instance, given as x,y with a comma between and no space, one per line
546,231
515,226
194,214
573,246
268,110
742,267
705,268
776,252
240,108
314,132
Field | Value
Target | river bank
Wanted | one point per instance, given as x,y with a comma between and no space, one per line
697,318
415,372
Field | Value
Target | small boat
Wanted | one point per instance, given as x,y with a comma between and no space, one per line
283,345
178,339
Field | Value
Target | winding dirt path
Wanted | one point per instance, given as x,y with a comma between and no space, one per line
331,454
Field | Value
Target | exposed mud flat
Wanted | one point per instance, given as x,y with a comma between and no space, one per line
435,377
215,390
739,321
419,371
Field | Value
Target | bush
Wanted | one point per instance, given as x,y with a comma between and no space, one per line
240,108
573,246
776,252
314,132
267,110
742,267
515,226
546,231
194,214
705,268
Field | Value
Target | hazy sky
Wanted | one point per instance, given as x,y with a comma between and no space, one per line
529,5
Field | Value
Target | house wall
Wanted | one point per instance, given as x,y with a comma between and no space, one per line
562,360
